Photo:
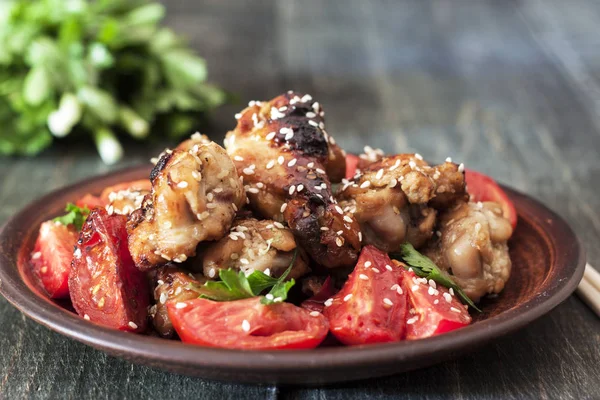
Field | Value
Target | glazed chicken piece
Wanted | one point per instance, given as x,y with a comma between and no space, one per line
254,245
288,161
396,199
172,284
195,195
472,247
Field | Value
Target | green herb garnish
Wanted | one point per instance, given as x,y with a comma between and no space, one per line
75,216
425,268
99,69
236,285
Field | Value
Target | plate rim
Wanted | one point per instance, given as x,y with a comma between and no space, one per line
143,348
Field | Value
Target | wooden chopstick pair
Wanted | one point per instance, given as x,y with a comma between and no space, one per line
589,288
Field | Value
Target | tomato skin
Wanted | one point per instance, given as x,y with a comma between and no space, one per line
140,185
364,317
51,257
270,327
483,188
351,165
316,302
429,318
104,283
90,202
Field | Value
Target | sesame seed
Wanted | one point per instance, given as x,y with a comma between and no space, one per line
299,188
43,270
269,296
324,228
365,184
347,219
328,302
367,264
451,291
310,114
360,236
436,301
292,189
412,164
412,320
132,325
233,237
449,159
77,252
37,255
393,182
454,309
248,171
363,277
277,300
234,207
375,270
314,313
86,317
319,171
163,298
211,205
253,190
238,158
447,297
339,210
431,291
270,164
418,156
339,241
310,164
244,261
339,232
270,136
379,174
245,326
388,267
461,168
388,302
348,297
289,135
283,207
101,303
313,123
238,116
280,160
292,162
278,225
212,272
415,288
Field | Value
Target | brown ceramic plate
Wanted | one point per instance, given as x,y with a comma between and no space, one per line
548,263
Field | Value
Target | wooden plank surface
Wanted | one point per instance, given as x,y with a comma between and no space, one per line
511,88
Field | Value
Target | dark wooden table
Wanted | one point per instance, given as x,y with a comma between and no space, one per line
511,88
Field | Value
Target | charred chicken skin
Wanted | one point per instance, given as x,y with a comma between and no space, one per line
195,195
396,198
472,247
288,161
253,245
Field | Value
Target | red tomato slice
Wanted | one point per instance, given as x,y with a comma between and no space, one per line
483,188
139,185
430,313
51,257
90,201
371,307
351,164
105,285
247,324
317,302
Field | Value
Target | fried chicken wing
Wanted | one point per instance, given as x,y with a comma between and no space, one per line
195,195
288,162
395,199
472,247
254,245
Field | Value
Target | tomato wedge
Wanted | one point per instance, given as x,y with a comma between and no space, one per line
351,165
105,285
317,302
371,307
51,257
483,188
247,324
432,309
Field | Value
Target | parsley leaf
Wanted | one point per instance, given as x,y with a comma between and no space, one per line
236,286
75,216
425,268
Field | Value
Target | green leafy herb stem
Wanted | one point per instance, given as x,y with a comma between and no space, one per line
75,216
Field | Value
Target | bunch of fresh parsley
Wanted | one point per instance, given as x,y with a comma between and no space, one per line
98,68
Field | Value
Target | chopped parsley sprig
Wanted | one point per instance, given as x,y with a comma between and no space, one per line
425,268
75,216
236,286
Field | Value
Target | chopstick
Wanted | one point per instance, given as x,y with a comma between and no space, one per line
589,288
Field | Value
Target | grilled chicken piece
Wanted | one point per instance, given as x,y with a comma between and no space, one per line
288,162
195,195
395,199
472,247
172,284
126,197
254,245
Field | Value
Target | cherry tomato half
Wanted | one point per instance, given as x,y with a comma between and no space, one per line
51,257
371,307
247,324
105,285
